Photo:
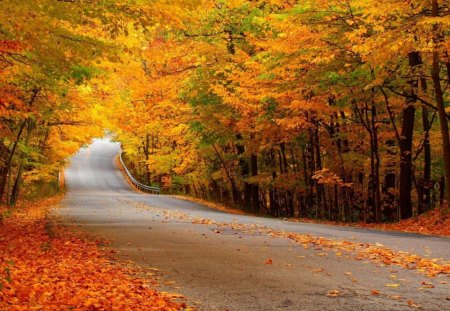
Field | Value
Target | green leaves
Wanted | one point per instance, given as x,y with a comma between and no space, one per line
81,73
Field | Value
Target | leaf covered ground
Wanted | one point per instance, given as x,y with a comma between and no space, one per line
377,253
433,222
46,267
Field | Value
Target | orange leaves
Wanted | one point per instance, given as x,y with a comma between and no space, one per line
435,222
412,304
39,270
325,176
334,293
377,254
427,285
269,261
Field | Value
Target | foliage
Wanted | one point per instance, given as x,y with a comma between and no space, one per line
326,109
49,268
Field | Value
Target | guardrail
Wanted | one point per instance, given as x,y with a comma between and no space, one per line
136,183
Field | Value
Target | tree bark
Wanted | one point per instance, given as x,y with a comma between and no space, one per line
254,185
406,141
19,178
441,105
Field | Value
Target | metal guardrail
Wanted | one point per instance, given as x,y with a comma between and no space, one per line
136,183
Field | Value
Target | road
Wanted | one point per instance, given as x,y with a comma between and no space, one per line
220,268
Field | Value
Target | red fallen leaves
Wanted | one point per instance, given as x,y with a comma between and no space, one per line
434,222
43,267
375,292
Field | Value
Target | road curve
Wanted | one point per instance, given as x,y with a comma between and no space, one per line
224,269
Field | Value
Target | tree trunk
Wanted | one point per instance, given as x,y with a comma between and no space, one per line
7,169
8,165
234,190
376,167
441,106
406,162
424,203
147,157
406,141
255,187
23,157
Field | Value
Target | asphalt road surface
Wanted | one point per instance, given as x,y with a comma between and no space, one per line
226,268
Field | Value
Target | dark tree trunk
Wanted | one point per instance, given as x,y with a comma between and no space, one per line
441,104
425,199
376,167
254,185
18,182
406,141
406,162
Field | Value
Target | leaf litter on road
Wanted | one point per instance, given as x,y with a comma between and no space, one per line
44,266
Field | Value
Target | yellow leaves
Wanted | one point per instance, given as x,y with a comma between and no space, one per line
392,285
350,22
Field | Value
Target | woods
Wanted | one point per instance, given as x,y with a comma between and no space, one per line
335,110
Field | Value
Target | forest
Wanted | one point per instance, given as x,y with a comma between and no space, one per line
328,109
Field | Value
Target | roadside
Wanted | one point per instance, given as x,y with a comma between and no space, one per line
45,266
434,222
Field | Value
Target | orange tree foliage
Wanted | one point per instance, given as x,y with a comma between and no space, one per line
49,268
326,109
321,109
48,52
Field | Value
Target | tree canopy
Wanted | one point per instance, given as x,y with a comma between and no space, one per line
329,109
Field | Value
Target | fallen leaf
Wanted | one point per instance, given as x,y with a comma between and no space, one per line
413,304
427,284
334,293
392,285
269,261
375,292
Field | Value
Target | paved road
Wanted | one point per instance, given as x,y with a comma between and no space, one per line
219,268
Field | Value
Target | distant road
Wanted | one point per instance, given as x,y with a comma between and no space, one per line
219,268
